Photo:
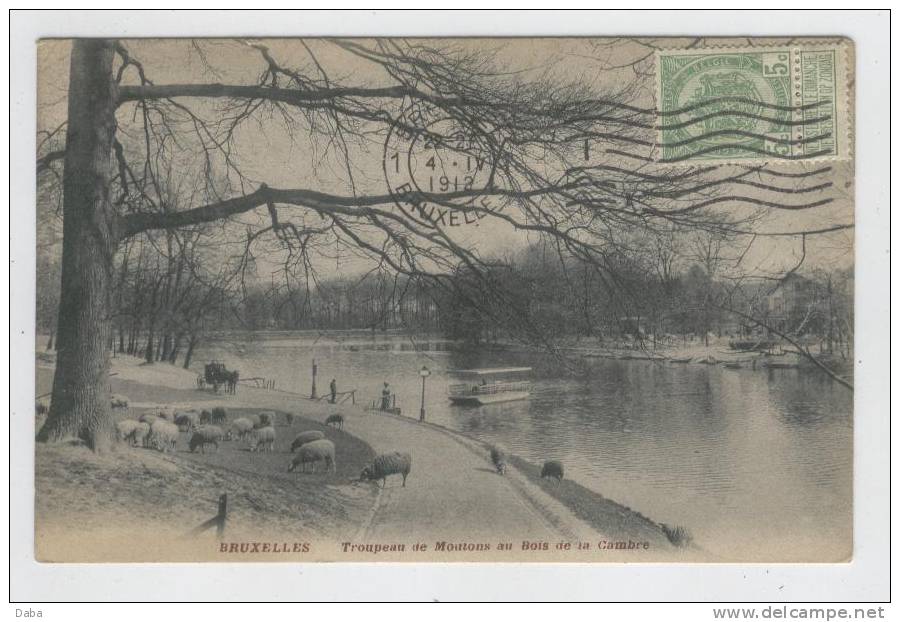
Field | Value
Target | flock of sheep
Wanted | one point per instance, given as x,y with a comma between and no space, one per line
160,428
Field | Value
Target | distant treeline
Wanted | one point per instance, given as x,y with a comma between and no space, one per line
167,299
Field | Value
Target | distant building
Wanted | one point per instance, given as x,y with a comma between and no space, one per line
794,306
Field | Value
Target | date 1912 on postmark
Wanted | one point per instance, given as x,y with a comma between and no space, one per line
774,104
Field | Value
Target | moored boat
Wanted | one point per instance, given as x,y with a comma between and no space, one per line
489,387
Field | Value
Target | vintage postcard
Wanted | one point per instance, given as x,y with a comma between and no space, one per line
445,300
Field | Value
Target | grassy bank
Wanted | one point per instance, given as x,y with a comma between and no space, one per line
612,519
139,486
605,516
144,493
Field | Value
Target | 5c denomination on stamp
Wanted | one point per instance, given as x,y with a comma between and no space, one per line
764,103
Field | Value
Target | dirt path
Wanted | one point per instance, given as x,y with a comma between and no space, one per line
451,492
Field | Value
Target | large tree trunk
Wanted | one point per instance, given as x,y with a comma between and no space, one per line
80,404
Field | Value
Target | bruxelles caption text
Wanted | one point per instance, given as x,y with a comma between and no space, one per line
439,546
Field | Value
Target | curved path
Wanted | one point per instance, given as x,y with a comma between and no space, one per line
452,492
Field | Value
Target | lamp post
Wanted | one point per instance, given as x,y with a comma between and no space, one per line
424,372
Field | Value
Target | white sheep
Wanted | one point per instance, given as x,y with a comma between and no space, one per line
239,429
167,413
140,437
148,418
306,437
163,435
312,453
206,435
125,428
117,400
263,439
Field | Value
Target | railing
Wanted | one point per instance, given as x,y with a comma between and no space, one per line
340,397
490,389
378,403
259,383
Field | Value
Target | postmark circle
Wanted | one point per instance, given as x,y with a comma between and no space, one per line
438,171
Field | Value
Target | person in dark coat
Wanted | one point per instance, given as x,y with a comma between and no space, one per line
386,397
333,386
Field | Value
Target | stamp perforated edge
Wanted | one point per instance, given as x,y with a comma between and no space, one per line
844,48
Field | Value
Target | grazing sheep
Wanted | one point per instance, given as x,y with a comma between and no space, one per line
205,417
219,416
187,420
335,420
206,435
312,453
239,429
140,435
263,439
498,457
118,401
167,413
254,420
148,418
306,437
163,435
387,464
553,468
124,428
266,418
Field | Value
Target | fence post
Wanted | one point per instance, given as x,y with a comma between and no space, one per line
223,512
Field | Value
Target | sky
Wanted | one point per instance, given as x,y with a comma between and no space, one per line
267,151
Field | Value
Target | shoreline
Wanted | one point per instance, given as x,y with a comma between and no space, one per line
570,510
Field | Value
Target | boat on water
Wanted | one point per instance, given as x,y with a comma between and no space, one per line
489,386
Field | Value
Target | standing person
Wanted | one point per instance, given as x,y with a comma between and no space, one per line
333,386
386,397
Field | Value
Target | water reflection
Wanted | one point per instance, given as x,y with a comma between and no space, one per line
755,463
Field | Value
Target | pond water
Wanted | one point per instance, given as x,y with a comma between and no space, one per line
756,464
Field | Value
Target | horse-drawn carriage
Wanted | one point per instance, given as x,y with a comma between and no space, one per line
216,374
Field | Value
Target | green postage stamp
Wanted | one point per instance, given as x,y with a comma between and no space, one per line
763,103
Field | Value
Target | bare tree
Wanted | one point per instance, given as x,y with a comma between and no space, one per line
554,158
